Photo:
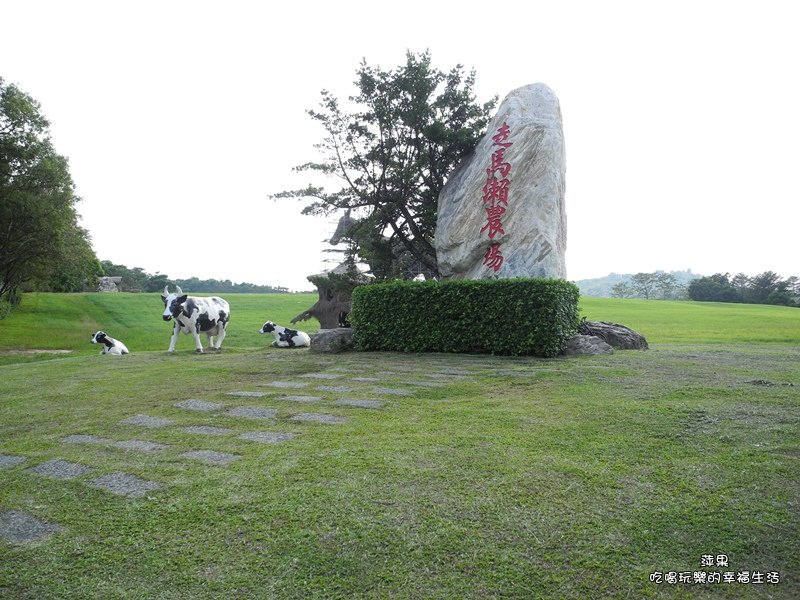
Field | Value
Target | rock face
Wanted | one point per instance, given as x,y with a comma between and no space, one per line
614,334
501,213
586,345
339,339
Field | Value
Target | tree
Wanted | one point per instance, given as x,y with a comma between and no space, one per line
409,128
793,285
40,238
741,282
762,286
644,284
621,290
715,288
666,284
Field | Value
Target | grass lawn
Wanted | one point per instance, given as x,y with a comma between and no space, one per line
466,477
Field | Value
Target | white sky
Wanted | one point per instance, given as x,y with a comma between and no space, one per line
681,120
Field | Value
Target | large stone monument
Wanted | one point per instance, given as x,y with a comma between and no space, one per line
501,213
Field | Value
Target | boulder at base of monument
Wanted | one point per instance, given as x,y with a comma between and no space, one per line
586,345
501,212
614,334
338,339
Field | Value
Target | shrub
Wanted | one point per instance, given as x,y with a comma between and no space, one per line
494,316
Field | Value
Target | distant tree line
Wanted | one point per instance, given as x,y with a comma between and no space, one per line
650,286
766,288
137,279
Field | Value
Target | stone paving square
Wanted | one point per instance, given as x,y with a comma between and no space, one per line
140,445
124,484
253,412
145,421
267,437
7,460
319,418
211,457
359,403
86,439
60,469
393,391
321,375
248,394
287,384
19,527
366,379
200,405
334,388
207,430
301,398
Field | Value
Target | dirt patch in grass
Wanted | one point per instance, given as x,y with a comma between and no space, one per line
33,352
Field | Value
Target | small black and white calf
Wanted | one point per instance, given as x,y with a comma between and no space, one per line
110,345
286,338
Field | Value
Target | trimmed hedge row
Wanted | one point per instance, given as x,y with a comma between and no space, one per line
487,316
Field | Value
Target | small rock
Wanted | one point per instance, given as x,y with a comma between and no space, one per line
586,345
619,336
333,340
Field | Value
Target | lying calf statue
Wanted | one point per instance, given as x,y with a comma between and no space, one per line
110,345
286,338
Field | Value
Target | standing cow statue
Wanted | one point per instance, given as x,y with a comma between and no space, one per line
195,315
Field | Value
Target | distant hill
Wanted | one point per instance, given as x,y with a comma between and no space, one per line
600,287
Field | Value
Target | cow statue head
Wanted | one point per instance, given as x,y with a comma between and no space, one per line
172,302
99,337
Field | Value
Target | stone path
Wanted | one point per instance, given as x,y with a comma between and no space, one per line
335,387
140,445
19,527
360,402
200,405
124,484
301,398
10,461
319,418
145,421
60,469
207,430
252,412
211,457
268,437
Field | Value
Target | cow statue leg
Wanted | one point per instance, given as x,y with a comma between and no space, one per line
221,333
198,345
210,338
174,337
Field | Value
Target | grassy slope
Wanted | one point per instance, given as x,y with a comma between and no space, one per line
536,478
66,321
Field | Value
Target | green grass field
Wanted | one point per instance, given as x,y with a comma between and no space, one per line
495,477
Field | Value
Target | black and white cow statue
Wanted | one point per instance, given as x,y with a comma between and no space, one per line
110,345
196,315
286,338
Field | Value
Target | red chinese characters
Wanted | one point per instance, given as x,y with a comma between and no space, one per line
495,196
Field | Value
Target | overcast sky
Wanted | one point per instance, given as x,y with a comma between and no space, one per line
681,121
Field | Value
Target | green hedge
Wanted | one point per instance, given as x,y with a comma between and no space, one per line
488,316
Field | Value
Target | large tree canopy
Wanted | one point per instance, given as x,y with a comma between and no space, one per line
40,239
393,150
